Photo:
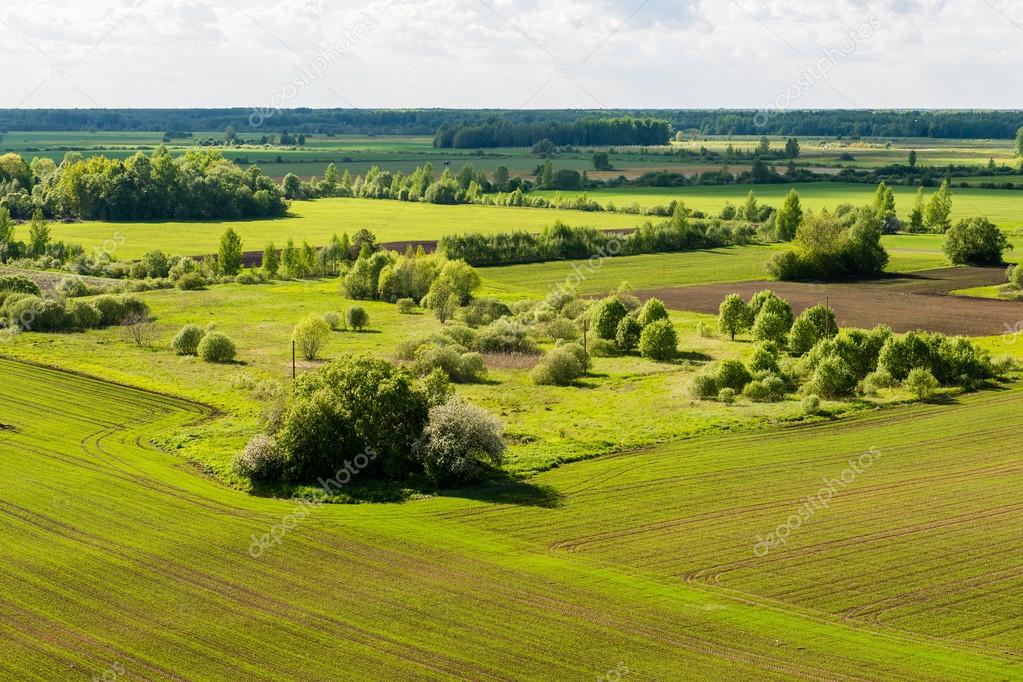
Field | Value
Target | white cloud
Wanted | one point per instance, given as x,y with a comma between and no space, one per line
508,53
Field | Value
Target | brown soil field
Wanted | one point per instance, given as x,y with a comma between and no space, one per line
919,301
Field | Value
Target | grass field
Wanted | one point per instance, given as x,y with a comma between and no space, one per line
316,221
1003,207
118,557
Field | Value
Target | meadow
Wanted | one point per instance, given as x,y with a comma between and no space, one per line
642,563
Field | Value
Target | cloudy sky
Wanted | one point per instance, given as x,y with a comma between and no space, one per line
512,53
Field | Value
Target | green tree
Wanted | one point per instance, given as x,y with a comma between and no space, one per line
38,234
659,341
813,325
884,199
229,260
750,209
976,241
310,335
916,216
912,158
291,186
792,148
547,175
6,232
271,260
939,208
601,161
764,147
1019,141
330,176
734,315
606,317
789,216
501,178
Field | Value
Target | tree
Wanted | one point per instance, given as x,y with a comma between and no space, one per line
500,181
310,335
628,333
38,234
460,442
229,134
792,148
733,315
6,233
606,317
916,216
813,325
659,341
884,199
230,257
976,241
291,186
601,161
921,383
750,209
547,175
652,311
1019,141
912,158
764,147
330,177
357,318
271,260
789,216
939,208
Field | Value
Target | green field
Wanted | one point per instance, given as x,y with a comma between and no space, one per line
316,221
1003,207
120,557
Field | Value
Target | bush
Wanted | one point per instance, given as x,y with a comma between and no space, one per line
31,313
627,336
764,359
976,241
732,374
659,341
111,310
19,284
460,367
310,335
652,311
559,367
83,315
333,321
191,281
505,336
561,329
134,307
727,396
357,318
703,387
921,383
814,324
405,306
216,347
771,326
460,442
602,348
483,311
72,287
831,379
1015,274
606,317
186,341
261,460
811,404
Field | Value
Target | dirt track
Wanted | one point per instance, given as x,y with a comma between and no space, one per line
905,303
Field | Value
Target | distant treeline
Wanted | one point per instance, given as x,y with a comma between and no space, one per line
561,242
831,123
584,131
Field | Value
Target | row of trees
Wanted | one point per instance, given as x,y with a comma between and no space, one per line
501,132
201,184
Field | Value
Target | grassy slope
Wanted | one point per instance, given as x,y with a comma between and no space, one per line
117,556
317,221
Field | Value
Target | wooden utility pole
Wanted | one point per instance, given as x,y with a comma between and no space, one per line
586,346
293,360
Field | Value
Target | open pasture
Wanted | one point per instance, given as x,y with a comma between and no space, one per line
645,560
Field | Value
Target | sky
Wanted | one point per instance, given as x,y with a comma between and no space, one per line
763,54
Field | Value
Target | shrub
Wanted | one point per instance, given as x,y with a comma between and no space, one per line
72,287
976,241
831,379
191,281
333,321
652,311
659,341
771,326
216,347
186,341
627,336
310,335
437,387
561,329
732,374
733,316
460,367
460,442
606,316
881,378
483,311
505,336
83,315
764,358
19,284
111,310
755,391
811,404
405,306
559,367
134,307
921,383
1015,274
814,324
703,387
901,354
40,315
356,318
261,460
727,396
602,348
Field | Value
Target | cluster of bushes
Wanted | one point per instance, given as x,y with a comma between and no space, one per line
24,307
312,333
364,419
561,242
823,361
457,350
975,241
208,344
831,246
